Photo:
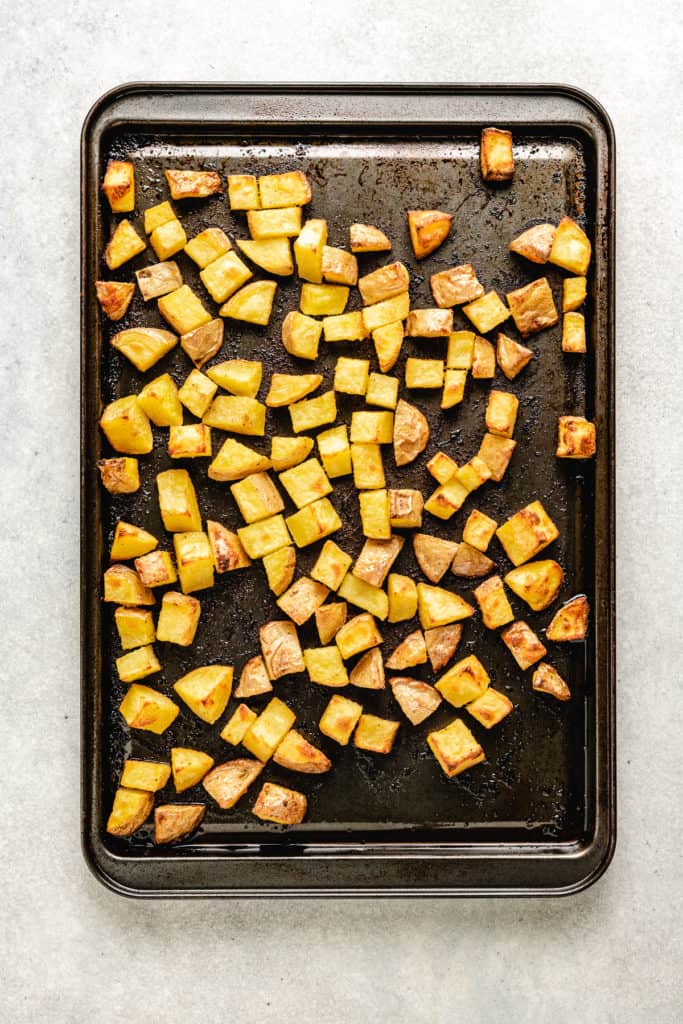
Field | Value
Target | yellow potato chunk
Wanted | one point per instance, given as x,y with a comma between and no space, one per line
289,189
533,307
460,354
266,734
190,441
364,595
537,583
357,635
491,708
445,501
130,810
523,644
351,375
279,568
464,682
575,438
573,293
308,250
339,266
168,239
372,427
335,451
234,461
135,627
237,414
178,619
178,501
131,541
438,607
137,664
417,700
123,586
298,755
155,569
402,595
176,821
271,254
574,333
495,155
405,508
428,230
479,530
160,401
571,248
301,335
387,312
329,619
189,767
148,775
496,452
286,388
501,413
197,393
442,643
144,346
382,391
323,299
284,223
344,327
243,192
313,412
314,522
224,275
429,323
155,216
289,451
206,691
325,666
486,312
442,467
126,426
145,708
493,603
302,599
257,497
305,483
455,748
453,388
228,553
253,303
376,559
367,238
570,622
424,373
254,680
119,186
388,341
340,718
195,560
207,247
262,538
123,245
511,356
368,469
410,652
183,310
331,566
526,533
483,359
237,726
374,514
159,279
375,734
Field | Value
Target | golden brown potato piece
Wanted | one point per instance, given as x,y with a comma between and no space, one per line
120,476
286,388
254,679
442,643
575,438
279,804
574,333
131,809
384,283
289,189
228,782
417,700
433,555
479,530
493,603
203,342
123,586
537,583
571,248
429,323
470,562
367,238
339,266
176,821
124,244
533,307
455,748
497,162
573,293
428,229
464,681
491,708
376,559
329,619
368,672
512,357
410,652
375,734
281,649
546,679
483,359
411,433
302,599
523,644
228,553
114,297
527,532
405,508
192,184
119,186
496,452
158,279
456,286
298,755
535,243
571,621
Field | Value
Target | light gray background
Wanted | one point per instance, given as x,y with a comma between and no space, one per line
72,952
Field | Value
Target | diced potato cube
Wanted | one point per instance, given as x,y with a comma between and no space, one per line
575,438
145,708
301,335
126,426
387,312
523,644
442,467
374,514
573,293
367,238
289,189
546,679
189,441
491,708
237,726
455,748
272,254
178,619
208,246
497,162
417,700
340,718
308,250
168,239
281,649
279,567
345,327
123,245
289,451
483,359
364,595
532,307
305,483
501,413
526,533
160,401
574,333
376,559
496,452
119,186
224,275
262,538
228,782
479,530
384,283
131,541
238,376
453,388
339,266
155,216
438,607
455,286
156,569
323,299
298,755
442,643
405,508
428,229
254,679
429,323
424,373
410,652
114,297
331,566
206,691
372,427
446,499
368,469
335,451
137,664
195,560
433,554
473,474
285,223
314,522
461,350
571,247
329,619
325,666
535,243
286,388
130,810
148,775
465,681
268,731
493,603
280,805
237,414
375,734
135,628
537,583
368,672
302,599
159,279
486,312
183,310
357,635
382,391
228,553
402,594
313,412
178,501
192,184
123,586
257,497
203,343
252,303
234,461
388,342
351,375
243,193
570,622
197,393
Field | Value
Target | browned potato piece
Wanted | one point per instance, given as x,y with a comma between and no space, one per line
417,700
176,821
114,297
254,679
192,184
228,553
405,508
279,804
575,438
286,388
433,555
470,562
228,782
501,413
375,734
523,644
367,238
527,532
131,809
496,452
384,283
571,248
158,279
123,586
546,679
368,672
120,476
533,307
429,323
479,530
573,293
497,162
428,229
329,619
340,718
493,603
574,333
442,643
289,189
512,357
119,186
537,583
281,649
299,755
535,243
483,359
302,599
491,708
456,286
571,621
411,433
339,266
203,342
410,652
455,748
376,559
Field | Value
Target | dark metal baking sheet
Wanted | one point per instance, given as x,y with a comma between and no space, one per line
538,816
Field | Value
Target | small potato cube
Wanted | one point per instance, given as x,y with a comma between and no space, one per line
238,376
571,248
237,726
405,508
486,312
123,586
446,499
302,599
192,184
156,569
159,279
286,452
280,805
465,681
387,312
286,388
203,343
429,323
546,679
273,255
533,307
364,595
253,303
176,821
114,298
155,216
160,401
374,514
131,542
126,426
384,283
329,619
410,432
388,341
537,583
243,193
473,474
574,333
145,708
280,566
137,664
285,223
254,680
460,350
183,310
470,562
119,186
575,438
314,522
417,700
237,414
491,708
456,286
368,672
308,250
206,691
234,461
573,293
298,755
526,533
433,554
523,644
305,483
195,560
197,393
372,427
410,652
382,391
178,619
479,530
345,327
323,299
376,559
339,266
483,359
367,238
442,467
455,748
442,643
191,441
313,412
375,734
438,607
332,565
223,276
144,346
289,189
150,776
535,243
512,357
335,451
281,649
228,553
368,469
428,229
228,782
340,718
501,413
123,245
351,375
497,162
268,731
168,239
135,628
496,452
325,666
402,594
262,538
130,811
453,388
493,603
257,497
357,635
570,622
207,247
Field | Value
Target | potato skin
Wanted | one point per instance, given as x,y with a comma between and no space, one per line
176,821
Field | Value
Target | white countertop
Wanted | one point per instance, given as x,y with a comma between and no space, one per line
70,950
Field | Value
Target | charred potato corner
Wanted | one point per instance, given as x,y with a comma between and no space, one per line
313,376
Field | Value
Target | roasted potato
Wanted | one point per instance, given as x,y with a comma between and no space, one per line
433,554
254,679
286,388
470,562
286,452
114,297
496,159
493,603
281,649
161,403
424,373
374,514
410,433
323,299
123,586
571,621
126,426
384,313
446,499
417,700
535,243
207,246
575,438
156,216
280,566
135,627
119,476
442,643
123,245
464,682
548,680
183,310
283,223
308,250
253,303
280,805
455,286
192,184
388,341
410,652
491,708
574,333
313,412
148,775
189,767
501,413
571,248
526,533
237,726
306,483
368,672
428,230
357,635
573,293
453,388
266,734
262,538
131,542
156,569
289,189
243,192
439,607
442,467
382,391
196,393
483,359
145,708
405,508
375,734
533,307
537,583
237,414
455,748
511,356
176,821
340,718
206,691
178,619
479,530
257,497
372,427
194,558
237,461
325,666
238,376
314,522
384,283
496,452
486,312
331,566
298,755
429,323
302,599
523,644
158,279
368,468
130,811
119,186
402,597
345,327
376,559
168,239
137,664
329,619
339,266
228,553
189,441
228,782
273,255
367,238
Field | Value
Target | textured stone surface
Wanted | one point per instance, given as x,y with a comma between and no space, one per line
70,951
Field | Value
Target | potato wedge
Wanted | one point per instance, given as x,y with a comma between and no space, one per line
523,644
123,245
417,700
237,414
235,461
511,356
281,649
203,342
496,452
228,553
455,748
254,679
228,782
575,438
384,283
410,434
329,619
571,621
176,821
130,811
323,299
533,307
571,248
280,805
428,230
548,680
402,597
158,279
493,603
573,293
189,767
147,709
240,377
252,303
206,691
491,708
442,643
376,559
131,542
433,554
273,255
388,341
368,672
114,297
537,583
302,599
192,184
535,243
367,238
289,451
439,607
410,652
496,159
298,755
470,562
456,286
144,346
465,681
